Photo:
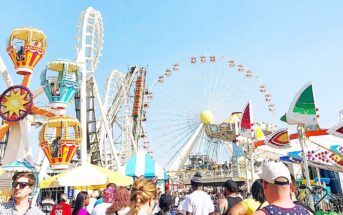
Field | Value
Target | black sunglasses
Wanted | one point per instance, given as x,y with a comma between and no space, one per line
22,185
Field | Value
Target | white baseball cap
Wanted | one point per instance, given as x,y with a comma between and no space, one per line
271,171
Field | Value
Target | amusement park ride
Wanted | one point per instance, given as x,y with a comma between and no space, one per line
106,136
197,135
107,131
205,110
113,136
208,94
60,135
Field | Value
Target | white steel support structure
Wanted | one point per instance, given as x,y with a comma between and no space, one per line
90,39
301,134
83,107
119,115
104,148
113,84
187,149
126,124
104,123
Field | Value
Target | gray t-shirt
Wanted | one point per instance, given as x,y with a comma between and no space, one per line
9,209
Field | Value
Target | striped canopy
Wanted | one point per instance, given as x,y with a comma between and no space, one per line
17,166
143,164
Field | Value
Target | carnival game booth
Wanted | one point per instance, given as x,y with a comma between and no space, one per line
142,164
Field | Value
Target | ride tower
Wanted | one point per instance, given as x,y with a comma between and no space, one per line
112,124
26,46
60,136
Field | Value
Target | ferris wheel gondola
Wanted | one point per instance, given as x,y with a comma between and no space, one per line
196,106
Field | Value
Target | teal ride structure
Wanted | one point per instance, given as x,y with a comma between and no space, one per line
61,80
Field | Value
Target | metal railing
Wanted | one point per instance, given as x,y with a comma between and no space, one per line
209,176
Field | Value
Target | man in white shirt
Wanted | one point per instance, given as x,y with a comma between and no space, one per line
176,199
92,201
198,202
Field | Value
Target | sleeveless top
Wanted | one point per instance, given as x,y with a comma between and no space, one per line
232,201
276,210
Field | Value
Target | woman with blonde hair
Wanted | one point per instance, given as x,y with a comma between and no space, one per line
143,196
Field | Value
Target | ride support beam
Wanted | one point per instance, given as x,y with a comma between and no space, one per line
104,123
38,92
15,147
187,149
301,134
5,73
3,129
42,112
26,80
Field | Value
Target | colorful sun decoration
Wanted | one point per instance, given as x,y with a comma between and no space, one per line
15,103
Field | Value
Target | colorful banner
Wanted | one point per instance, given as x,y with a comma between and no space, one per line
336,130
302,110
279,139
246,129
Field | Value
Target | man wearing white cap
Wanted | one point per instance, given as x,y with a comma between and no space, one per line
276,185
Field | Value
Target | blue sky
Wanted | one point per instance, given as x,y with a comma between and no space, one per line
287,43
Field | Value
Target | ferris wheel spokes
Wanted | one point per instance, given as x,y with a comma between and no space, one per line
180,146
177,140
180,161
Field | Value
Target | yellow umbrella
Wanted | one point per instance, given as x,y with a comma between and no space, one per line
87,177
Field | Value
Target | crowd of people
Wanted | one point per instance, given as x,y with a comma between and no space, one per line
273,194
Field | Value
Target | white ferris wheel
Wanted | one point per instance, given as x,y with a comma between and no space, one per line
195,106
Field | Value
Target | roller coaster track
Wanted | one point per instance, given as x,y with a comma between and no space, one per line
92,138
95,131
131,127
100,128
122,93
97,134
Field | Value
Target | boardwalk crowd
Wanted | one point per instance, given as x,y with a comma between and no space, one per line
273,194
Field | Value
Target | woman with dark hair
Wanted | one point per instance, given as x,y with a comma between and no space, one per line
250,205
121,201
81,202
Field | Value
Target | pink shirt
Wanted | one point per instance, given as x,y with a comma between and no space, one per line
83,211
